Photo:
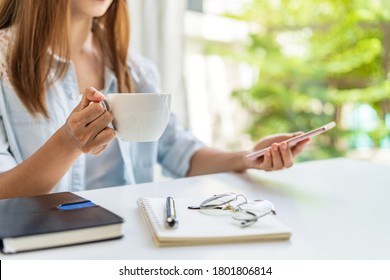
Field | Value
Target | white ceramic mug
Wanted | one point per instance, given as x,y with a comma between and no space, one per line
139,117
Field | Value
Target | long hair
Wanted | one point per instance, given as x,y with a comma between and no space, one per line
42,34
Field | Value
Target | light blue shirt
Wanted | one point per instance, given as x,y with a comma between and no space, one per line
21,134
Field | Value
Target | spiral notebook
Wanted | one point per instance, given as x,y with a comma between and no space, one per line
195,227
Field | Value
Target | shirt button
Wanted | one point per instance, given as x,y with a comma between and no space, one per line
74,95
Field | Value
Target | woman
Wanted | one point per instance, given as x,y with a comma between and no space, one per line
52,138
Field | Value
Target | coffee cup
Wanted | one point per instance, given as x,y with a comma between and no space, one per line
139,117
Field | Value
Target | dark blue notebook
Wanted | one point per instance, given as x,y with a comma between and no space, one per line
53,220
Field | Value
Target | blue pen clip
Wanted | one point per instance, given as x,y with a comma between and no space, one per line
75,205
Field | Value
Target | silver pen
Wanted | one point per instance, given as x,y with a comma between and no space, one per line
171,218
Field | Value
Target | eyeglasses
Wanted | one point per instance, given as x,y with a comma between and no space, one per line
245,211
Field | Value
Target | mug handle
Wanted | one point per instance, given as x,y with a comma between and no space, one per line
107,105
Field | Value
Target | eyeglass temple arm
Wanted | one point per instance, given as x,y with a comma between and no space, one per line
205,207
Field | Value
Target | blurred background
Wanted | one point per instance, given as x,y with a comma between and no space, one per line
240,70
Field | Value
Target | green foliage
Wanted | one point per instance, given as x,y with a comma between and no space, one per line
314,57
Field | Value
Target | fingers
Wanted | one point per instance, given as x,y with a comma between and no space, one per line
96,126
279,156
287,155
101,140
93,112
267,163
87,125
100,150
277,161
90,95
89,140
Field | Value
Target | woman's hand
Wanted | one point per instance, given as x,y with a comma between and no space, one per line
208,160
280,156
87,126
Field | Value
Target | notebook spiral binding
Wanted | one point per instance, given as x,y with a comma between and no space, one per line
148,213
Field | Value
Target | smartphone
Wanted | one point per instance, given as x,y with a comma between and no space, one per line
293,141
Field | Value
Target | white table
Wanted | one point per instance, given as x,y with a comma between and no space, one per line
337,209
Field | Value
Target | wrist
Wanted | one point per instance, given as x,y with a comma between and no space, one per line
240,162
66,142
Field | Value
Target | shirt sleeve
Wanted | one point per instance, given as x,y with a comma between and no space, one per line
7,161
176,148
